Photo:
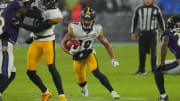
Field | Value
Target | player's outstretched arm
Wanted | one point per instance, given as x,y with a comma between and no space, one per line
164,48
66,38
36,29
108,47
106,44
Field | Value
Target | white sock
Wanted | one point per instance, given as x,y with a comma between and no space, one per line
61,95
112,91
0,94
163,95
47,91
85,86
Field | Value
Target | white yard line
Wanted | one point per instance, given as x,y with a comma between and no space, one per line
133,98
121,99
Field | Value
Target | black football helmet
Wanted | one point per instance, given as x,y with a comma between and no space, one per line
88,13
50,3
173,23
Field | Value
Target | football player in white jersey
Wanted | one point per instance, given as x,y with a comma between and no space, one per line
44,44
86,32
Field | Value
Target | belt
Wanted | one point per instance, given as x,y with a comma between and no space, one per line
41,37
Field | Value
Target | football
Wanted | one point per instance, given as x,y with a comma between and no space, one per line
72,42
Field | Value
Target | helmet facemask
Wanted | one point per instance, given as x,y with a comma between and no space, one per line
87,19
87,24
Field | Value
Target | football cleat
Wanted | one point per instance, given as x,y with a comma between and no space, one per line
115,95
46,96
163,98
62,98
84,91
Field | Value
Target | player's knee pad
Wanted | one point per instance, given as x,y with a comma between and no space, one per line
31,74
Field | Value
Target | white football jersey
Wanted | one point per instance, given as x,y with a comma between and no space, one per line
86,39
54,15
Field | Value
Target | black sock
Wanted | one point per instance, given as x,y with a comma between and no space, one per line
3,82
36,80
102,78
159,80
7,81
82,84
56,77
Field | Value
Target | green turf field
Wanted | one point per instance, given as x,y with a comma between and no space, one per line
130,87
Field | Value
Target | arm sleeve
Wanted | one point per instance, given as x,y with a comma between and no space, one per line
39,28
34,13
134,21
161,19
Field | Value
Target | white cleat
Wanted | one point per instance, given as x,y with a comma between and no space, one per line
84,91
115,95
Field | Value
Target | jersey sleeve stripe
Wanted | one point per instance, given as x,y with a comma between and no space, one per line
57,20
70,29
101,33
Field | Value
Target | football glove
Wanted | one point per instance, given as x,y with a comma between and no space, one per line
115,63
29,40
73,50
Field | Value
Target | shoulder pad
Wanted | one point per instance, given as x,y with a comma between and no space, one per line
98,26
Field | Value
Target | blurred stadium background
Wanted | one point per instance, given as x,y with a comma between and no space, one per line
114,15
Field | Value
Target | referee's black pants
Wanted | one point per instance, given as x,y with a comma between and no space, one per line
147,44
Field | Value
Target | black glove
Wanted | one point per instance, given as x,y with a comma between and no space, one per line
29,40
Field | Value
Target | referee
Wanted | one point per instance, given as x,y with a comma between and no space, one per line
147,16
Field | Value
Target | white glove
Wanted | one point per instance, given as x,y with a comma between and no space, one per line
115,63
73,50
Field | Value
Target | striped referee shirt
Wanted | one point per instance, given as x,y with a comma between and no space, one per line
147,18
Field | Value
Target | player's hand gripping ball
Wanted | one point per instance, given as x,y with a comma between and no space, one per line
71,43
